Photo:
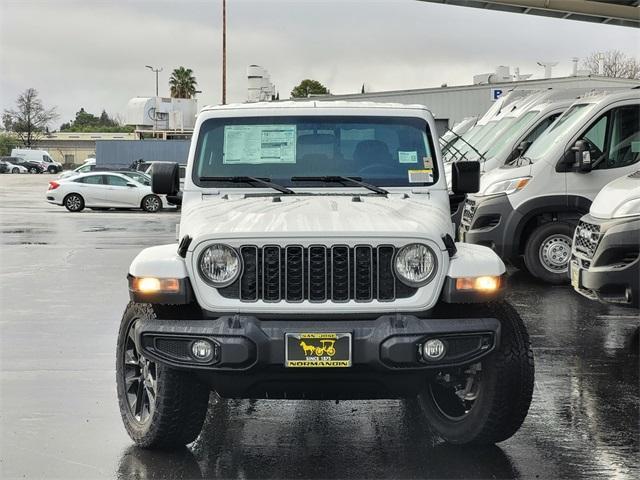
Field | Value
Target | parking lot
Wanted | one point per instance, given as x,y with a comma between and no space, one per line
63,289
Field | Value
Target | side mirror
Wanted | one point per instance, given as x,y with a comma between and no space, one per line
518,151
582,156
465,177
165,178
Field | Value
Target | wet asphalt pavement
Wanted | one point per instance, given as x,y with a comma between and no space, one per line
63,289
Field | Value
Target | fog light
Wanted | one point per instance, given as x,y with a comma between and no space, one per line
202,350
433,349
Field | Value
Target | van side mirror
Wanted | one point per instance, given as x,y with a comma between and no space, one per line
582,156
165,178
518,151
465,177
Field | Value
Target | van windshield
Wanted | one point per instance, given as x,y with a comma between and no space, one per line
384,151
559,131
511,133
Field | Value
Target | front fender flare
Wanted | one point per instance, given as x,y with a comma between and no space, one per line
473,260
162,261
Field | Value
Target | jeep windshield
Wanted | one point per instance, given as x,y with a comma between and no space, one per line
379,151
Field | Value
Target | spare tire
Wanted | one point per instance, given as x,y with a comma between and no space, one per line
165,178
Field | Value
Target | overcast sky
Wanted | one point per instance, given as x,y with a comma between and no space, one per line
92,53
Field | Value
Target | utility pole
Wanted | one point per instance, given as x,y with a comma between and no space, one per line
156,71
224,52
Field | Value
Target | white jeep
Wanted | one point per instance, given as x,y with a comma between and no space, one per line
316,261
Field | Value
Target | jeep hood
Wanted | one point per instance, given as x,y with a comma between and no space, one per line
316,216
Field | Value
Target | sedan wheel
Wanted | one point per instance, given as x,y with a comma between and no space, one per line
33,170
151,203
15,170
74,202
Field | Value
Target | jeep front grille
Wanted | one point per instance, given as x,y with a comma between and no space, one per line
586,238
318,273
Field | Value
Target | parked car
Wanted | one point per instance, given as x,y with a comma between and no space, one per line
316,260
527,210
8,167
28,165
40,156
99,190
88,166
605,256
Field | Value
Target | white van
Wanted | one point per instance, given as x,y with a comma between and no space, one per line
41,156
605,258
527,210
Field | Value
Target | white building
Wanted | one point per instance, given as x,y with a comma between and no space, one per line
259,86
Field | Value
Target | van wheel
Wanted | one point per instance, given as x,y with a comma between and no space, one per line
548,252
486,402
52,169
160,407
151,203
74,202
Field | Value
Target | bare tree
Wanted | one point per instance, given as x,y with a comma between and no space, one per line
29,120
614,64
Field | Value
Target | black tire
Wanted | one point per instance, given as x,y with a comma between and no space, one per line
151,204
504,392
33,170
540,258
52,169
177,401
15,170
74,202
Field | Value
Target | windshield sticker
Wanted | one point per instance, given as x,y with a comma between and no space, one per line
428,163
407,157
256,144
420,176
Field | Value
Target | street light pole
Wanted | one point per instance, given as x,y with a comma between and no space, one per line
224,52
156,71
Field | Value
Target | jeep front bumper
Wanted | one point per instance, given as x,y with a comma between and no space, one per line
249,353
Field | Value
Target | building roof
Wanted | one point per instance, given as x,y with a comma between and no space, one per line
624,13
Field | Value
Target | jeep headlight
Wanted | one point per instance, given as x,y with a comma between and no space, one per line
219,265
630,208
507,186
415,264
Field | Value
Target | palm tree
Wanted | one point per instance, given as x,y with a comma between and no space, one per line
182,83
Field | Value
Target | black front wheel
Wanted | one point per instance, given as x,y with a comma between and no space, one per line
548,251
160,407
33,170
486,402
74,202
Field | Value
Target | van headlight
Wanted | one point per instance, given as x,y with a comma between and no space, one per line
219,265
507,186
415,264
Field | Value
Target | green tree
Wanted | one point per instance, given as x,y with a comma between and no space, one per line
183,83
309,87
30,119
87,122
7,143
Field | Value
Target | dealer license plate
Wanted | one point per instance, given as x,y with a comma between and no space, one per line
314,350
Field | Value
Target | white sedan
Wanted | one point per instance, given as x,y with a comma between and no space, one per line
103,190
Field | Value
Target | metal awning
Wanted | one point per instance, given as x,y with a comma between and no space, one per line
624,13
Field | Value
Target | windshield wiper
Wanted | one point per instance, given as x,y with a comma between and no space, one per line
340,179
253,181
480,155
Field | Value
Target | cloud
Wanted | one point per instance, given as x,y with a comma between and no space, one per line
92,54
